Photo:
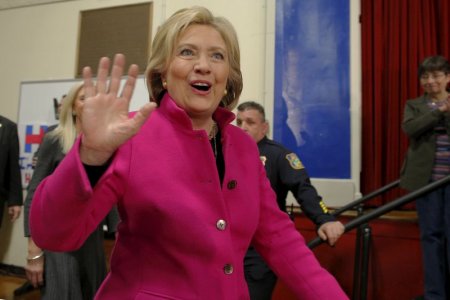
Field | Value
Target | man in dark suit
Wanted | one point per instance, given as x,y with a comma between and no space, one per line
10,179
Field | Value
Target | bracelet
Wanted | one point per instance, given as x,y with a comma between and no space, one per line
35,257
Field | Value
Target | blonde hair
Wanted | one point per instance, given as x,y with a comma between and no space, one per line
66,132
166,38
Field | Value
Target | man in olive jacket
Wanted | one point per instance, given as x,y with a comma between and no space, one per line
10,180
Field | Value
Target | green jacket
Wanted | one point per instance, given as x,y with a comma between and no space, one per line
418,123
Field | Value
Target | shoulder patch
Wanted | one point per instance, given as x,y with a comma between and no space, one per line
294,161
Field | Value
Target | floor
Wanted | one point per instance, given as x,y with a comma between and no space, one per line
10,282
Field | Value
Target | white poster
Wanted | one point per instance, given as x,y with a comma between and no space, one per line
37,112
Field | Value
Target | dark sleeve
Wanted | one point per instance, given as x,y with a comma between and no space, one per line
294,175
13,173
46,164
94,173
418,121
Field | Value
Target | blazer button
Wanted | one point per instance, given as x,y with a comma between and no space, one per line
232,184
228,269
221,224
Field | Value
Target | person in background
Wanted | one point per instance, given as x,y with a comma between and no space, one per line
10,178
426,122
286,173
27,286
57,109
183,177
73,274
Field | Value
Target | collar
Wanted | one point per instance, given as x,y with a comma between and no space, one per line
177,115
263,140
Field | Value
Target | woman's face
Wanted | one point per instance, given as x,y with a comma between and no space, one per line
197,74
78,103
434,83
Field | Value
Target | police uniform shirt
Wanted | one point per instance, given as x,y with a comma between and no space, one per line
287,173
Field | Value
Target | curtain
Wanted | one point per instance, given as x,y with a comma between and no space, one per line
396,36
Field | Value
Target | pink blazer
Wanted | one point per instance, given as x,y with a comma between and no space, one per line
182,235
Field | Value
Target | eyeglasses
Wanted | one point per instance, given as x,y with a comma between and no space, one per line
433,76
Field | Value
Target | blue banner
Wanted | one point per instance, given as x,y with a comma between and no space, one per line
312,84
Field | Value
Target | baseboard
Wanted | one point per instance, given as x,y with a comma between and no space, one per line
11,270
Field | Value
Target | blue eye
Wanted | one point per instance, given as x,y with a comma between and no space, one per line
218,56
186,52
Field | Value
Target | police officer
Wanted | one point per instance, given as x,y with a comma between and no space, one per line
286,173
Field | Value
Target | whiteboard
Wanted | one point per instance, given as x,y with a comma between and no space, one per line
36,113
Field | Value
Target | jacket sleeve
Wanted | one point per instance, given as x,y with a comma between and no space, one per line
285,251
14,178
418,120
293,174
46,163
66,208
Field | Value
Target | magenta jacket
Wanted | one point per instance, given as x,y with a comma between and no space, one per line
182,235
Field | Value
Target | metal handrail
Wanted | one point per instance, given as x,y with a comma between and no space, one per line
385,208
375,193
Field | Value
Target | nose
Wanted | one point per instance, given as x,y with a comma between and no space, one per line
202,65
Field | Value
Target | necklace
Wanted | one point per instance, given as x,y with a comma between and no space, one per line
214,146
213,130
212,137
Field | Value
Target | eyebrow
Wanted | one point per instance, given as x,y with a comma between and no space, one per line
213,48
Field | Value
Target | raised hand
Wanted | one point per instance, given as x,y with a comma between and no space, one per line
104,121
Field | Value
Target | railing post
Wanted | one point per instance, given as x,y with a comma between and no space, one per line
357,260
367,238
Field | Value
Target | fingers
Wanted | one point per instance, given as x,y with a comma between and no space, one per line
101,86
40,278
89,89
332,240
116,73
322,234
102,75
328,236
128,89
35,277
143,113
331,232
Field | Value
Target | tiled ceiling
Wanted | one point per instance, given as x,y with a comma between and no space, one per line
9,4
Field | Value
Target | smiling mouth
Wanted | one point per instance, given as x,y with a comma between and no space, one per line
204,87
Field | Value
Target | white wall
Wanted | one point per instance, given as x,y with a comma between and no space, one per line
39,43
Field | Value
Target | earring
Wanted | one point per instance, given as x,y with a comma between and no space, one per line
164,84
225,92
74,114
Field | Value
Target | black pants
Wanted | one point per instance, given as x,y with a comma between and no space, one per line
261,289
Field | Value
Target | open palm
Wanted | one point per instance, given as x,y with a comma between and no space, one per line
105,121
